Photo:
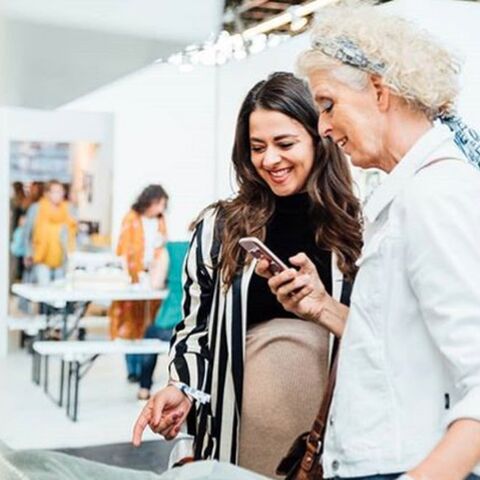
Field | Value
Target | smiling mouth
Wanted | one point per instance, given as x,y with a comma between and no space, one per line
342,142
279,176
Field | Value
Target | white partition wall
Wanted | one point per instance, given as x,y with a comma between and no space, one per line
40,126
456,24
4,232
165,123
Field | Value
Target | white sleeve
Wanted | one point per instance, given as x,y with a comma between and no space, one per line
442,219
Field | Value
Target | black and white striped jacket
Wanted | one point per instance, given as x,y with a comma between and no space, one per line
208,347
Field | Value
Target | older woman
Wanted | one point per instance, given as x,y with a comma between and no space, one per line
408,388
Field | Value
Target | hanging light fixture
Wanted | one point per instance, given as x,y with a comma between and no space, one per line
225,47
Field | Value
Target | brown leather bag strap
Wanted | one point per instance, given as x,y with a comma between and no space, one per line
315,439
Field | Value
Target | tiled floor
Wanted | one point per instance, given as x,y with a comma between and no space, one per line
108,406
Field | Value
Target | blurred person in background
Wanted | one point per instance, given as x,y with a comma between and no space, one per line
142,244
35,192
50,230
17,245
19,203
168,315
18,208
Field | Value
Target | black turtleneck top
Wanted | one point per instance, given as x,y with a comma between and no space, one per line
289,231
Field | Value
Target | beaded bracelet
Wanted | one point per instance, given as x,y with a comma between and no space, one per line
191,393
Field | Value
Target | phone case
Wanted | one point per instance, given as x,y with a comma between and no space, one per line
259,250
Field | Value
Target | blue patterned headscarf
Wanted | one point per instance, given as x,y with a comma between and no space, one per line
348,52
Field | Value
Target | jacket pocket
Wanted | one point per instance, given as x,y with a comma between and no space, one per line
361,401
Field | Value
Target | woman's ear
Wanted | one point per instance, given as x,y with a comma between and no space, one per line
382,93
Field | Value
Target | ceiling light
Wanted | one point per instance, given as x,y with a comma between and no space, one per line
258,43
240,54
285,18
229,15
175,59
217,50
298,24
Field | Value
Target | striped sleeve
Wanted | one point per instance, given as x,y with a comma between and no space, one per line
189,353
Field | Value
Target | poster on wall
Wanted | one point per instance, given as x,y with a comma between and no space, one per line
32,161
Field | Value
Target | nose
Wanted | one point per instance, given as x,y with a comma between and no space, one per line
323,126
271,157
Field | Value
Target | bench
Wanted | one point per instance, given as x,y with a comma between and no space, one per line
78,357
32,325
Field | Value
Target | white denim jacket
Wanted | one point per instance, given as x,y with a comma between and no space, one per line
410,355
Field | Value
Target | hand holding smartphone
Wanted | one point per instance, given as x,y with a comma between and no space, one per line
259,250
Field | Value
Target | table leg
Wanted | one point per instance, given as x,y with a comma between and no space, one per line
75,392
69,387
66,309
62,381
45,379
34,367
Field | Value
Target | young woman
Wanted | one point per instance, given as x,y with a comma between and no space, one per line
141,242
253,373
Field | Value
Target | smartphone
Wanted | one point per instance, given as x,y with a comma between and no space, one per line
259,250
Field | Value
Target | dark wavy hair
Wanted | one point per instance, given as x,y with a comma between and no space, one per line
335,212
149,195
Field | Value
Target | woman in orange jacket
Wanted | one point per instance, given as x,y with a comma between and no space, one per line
141,243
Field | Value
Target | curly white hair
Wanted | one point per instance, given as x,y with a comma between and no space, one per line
417,67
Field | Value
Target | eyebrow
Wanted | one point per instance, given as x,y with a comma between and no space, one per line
277,138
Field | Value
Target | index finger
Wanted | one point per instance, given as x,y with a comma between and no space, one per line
158,404
140,425
301,260
284,277
263,268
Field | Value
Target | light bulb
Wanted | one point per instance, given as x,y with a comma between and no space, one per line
298,24
240,54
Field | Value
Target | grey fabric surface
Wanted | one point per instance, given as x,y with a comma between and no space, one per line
150,456
210,470
47,465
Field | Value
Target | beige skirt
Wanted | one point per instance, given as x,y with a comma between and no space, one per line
286,368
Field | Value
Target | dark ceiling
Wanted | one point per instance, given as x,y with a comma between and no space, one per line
242,14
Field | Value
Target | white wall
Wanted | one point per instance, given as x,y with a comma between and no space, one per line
22,124
456,24
4,232
164,132
49,65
